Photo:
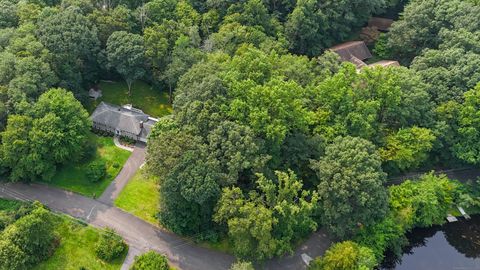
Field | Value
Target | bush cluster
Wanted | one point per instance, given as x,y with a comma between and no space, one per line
110,246
150,261
96,170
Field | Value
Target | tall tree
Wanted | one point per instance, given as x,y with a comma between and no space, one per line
53,132
315,25
407,148
72,39
351,191
422,21
126,53
270,220
467,148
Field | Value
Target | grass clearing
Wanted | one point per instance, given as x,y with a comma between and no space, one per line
150,100
72,176
140,197
77,248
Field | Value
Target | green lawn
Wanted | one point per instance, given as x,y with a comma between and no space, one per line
77,248
72,176
140,197
152,101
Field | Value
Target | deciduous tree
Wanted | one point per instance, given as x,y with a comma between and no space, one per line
351,191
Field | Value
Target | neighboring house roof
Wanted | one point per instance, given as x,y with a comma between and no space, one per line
386,63
350,49
357,62
382,24
124,118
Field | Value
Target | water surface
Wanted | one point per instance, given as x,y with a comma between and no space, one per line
453,246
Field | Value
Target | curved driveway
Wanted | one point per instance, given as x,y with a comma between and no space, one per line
142,236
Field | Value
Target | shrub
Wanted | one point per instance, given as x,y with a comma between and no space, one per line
96,171
242,266
11,256
150,261
89,150
110,246
346,255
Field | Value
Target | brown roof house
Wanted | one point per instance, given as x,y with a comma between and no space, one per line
123,121
353,51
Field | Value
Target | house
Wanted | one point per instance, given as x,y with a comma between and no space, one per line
353,51
123,121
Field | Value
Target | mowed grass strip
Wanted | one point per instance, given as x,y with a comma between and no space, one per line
72,176
77,248
150,100
140,197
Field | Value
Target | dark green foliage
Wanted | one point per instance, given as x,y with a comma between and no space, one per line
126,54
150,261
423,21
466,146
8,14
27,241
450,72
72,40
351,188
96,171
52,132
316,25
110,245
269,220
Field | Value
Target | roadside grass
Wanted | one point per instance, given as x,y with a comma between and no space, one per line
9,205
140,197
77,248
224,245
150,100
73,177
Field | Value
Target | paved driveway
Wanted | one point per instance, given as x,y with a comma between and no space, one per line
142,236
129,169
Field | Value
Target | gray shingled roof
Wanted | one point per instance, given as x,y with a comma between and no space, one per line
119,117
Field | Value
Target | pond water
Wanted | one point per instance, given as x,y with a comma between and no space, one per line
453,246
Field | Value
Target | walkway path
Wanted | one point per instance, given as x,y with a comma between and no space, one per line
118,144
136,159
142,236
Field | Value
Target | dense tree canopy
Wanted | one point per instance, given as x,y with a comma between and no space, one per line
52,132
258,223
125,53
258,103
351,186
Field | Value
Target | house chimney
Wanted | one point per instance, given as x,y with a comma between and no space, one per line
141,124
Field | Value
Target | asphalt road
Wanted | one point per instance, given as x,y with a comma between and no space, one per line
142,236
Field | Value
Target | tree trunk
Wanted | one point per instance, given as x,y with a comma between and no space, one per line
129,84
170,98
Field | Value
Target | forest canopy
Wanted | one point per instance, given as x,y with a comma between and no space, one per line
272,136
